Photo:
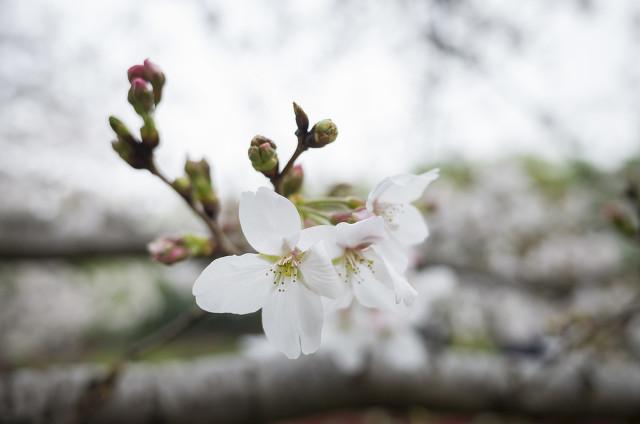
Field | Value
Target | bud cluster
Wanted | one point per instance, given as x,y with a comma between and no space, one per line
264,158
145,92
196,186
147,81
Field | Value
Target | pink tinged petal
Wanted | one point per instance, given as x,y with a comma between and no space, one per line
320,233
292,320
371,230
234,284
406,188
409,226
267,220
319,274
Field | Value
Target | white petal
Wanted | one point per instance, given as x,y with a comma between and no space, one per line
320,233
404,291
334,305
370,230
319,274
377,191
234,284
292,320
406,188
371,292
310,318
409,226
267,220
393,252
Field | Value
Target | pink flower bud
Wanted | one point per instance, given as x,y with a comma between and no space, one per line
168,250
140,96
155,76
136,71
151,70
139,85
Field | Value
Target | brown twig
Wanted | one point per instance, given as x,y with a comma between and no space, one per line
279,178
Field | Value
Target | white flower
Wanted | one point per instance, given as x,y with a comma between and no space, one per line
363,261
283,279
391,199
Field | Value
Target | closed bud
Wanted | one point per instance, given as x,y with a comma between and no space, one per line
136,71
302,120
168,250
322,133
263,156
201,187
292,181
149,133
183,186
141,96
156,77
260,139
121,130
198,169
210,203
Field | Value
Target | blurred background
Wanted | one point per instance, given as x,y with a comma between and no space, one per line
530,109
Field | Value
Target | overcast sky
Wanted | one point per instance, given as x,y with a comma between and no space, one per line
407,82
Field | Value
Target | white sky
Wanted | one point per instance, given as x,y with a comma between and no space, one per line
234,67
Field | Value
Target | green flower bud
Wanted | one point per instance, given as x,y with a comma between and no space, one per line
201,188
322,133
292,181
263,155
121,129
183,186
198,169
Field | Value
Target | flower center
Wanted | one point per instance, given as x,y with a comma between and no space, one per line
286,270
353,260
389,212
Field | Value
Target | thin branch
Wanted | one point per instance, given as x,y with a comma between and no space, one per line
278,179
224,245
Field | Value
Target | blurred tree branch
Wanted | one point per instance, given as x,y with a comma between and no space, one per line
234,390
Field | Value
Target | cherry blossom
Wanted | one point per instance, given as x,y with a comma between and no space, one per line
285,280
391,199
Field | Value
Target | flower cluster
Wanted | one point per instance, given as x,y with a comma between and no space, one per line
296,267
337,248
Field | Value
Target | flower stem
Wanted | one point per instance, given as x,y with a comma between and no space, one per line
278,179
327,202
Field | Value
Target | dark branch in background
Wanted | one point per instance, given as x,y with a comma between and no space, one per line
237,390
